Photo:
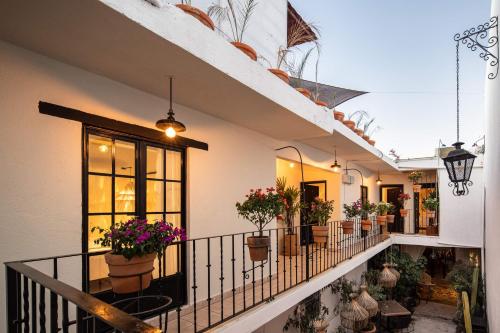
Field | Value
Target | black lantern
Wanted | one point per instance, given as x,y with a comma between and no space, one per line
379,180
170,125
335,166
459,163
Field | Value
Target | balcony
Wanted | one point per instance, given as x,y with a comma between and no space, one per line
222,283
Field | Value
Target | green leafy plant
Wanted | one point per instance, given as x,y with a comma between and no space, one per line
415,176
383,208
352,210
320,211
261,207
358,117
137,237
367,208
374,289
431,204
237,13
391,209
291,203
369,127
344,288
305,316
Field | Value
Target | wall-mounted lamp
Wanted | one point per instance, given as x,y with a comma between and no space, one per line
291,165
335,166
170,125
379,180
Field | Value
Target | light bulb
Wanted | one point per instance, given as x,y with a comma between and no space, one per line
103,148
379,182
170,132
292,165
335,169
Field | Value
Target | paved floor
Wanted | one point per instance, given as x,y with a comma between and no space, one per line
435,318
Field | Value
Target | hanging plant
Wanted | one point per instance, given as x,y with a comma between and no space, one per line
415,176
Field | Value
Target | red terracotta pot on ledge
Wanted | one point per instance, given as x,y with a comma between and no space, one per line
358,131
321,103
372,142
281,74
338,115
349,123
247,49
366,137
304,92
198,14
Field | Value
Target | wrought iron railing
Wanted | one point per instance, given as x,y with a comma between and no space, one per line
222,282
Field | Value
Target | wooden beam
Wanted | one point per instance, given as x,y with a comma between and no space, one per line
118,126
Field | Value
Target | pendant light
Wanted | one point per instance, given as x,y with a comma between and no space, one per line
170,125
353,316
367,302
379,181
387,279
335,166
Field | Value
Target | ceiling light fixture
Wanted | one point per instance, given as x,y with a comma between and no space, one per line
379,181
335,166
170,125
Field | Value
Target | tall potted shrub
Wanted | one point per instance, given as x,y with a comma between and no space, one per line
367,209
319,214
351,211
237,14
198,14
135,245
403,198
291,206
260,208
431,205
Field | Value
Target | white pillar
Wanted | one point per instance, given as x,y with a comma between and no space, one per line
492,200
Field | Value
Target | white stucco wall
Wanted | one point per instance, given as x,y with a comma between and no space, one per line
40,206
492,196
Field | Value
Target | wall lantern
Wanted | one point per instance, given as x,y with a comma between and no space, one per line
459,162
170,125
335,166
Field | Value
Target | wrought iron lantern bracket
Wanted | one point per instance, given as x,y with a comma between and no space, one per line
484,38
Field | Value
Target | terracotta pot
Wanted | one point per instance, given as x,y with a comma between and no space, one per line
358,131
247,49
366,137
390,218
320,233
347,227
304,92
366,225
432,230
258,246
281,74
371,328
321,103
403,212
289,246
349,123
431,213
381,219
126,275
198,14
372,142
338,115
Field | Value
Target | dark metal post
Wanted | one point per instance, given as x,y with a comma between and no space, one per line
13,301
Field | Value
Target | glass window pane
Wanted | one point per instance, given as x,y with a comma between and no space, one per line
99,195
173,165
153,217
154,196
101,221
154,165
99,154
98,273
124,195
175,219
173,197
122,218
124,158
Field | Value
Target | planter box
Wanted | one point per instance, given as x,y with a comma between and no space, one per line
289,245
320,233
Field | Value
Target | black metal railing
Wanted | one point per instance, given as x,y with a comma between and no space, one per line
222,282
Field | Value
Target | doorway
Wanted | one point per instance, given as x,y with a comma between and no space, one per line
390,193
312,190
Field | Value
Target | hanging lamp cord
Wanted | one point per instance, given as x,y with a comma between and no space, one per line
458,96
171,110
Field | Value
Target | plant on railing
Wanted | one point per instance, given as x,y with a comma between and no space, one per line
291,206
382,209
320,211
135,243
431,204
403,198
415,176
309,316
351,211
260,208
367,209
237,13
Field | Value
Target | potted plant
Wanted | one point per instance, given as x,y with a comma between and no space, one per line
297,69
291,206
431,204
390,213
319,214
351,212
415,176
260,208
403,198
367,209
337,115
200,15
237,14
351,123
135,245
369,129
382,209
310,316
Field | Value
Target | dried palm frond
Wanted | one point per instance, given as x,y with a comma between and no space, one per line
237,14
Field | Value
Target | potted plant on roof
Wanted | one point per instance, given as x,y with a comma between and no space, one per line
319,213
367,209
382,210
403,198
337,115
291,206
355,119
369,129
135,245
297,69
198,14
390,213
260,208
351,212
237,13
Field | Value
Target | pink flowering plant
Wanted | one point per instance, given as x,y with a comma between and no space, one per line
353,210
137,237
261,207
403,198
